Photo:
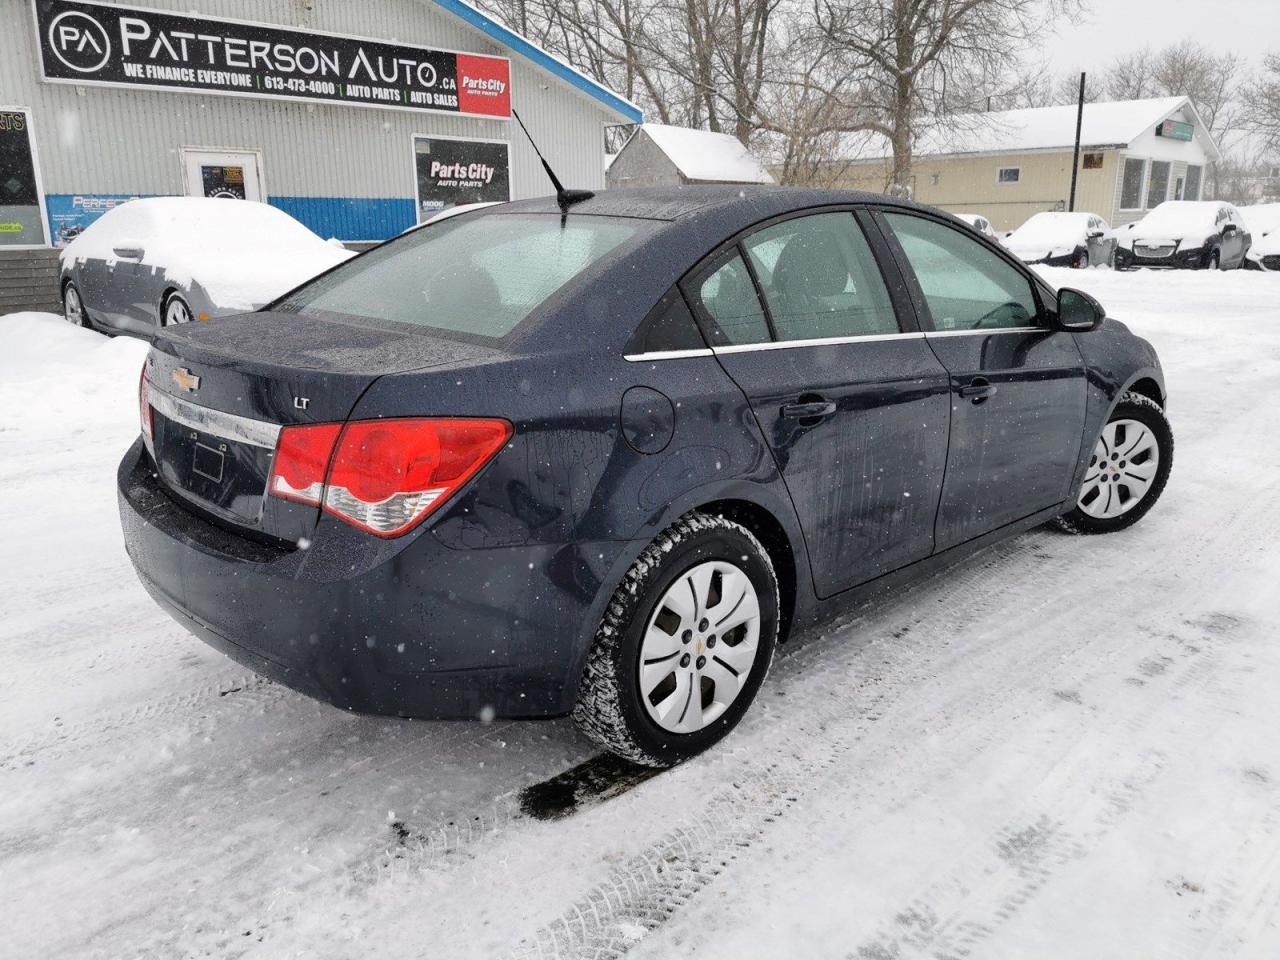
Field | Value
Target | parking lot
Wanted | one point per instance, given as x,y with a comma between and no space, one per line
1065,740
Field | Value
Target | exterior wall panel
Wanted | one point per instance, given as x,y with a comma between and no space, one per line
99,140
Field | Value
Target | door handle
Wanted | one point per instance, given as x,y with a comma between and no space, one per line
809,409
978,389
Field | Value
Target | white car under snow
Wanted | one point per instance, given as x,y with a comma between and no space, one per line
158,261
1064,240
1264,226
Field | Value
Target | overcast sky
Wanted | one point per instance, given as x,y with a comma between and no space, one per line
1114,27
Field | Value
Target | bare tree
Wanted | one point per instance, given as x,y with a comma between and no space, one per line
908,50
1131,77
1262,103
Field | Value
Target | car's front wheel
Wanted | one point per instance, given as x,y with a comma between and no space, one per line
73,307
684,645
1127,471
175,311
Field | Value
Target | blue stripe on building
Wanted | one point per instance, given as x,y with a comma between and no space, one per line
347,218
354,218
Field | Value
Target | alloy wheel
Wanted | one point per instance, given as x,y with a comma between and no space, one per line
699,646
1122,469
176,312
72,308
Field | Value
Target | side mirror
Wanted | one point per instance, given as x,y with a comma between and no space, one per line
1078,312
1095,234
128,250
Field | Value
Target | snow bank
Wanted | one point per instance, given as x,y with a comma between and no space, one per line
244,254
41,346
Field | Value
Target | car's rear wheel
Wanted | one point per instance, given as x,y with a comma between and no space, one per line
1127,471
73,307
684,645
175,311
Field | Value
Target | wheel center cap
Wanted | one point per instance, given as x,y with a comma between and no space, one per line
698,647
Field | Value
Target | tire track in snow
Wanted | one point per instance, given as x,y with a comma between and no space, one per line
645,892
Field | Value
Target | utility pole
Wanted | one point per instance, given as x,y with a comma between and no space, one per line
1075,158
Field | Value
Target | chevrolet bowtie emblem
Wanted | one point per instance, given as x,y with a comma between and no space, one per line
186,380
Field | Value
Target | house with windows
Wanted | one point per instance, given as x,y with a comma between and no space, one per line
1007,165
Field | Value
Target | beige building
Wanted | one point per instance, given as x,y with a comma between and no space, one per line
1008,165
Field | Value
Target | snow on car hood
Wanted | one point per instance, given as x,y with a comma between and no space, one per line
1188,221
243,254
1266,247
1049,235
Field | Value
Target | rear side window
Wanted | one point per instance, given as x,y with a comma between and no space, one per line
820,279
966,286
727,298
474,275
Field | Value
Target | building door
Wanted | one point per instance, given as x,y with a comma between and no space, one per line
233,174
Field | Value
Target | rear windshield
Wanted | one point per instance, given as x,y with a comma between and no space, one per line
473,275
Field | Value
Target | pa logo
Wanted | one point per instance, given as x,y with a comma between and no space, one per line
79,41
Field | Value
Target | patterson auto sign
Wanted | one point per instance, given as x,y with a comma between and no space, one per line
108,45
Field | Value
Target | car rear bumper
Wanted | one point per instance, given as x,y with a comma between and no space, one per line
413,628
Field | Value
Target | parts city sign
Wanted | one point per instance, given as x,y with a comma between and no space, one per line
108,45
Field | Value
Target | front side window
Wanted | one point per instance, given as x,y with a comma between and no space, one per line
965,285
1158,184
1131,186
474,275
727,298
1191,188
820,279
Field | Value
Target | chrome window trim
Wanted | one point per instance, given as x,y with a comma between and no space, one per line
816,342
666,355
227,426
985,332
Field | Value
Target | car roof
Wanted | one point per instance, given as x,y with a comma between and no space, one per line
678,203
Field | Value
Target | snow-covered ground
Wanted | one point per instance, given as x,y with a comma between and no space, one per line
1066,748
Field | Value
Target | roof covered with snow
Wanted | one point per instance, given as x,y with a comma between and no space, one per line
707,156
1115,124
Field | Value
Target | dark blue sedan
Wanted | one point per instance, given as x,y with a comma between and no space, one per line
532,461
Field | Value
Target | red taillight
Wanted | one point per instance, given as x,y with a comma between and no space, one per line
386,476
144,405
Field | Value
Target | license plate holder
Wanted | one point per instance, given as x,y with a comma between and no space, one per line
208,462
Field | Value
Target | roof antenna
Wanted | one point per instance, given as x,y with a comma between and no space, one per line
564,198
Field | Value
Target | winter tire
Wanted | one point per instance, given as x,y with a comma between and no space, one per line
685,643
175,311
73,307
1128,469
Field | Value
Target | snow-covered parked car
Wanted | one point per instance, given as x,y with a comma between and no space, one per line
979,223
159,261
1264,227
1064,240
1186,235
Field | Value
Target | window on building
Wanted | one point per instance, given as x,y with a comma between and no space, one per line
1274,173
820,279
1009,175
1158,183
1191,189
1131,185
1093,161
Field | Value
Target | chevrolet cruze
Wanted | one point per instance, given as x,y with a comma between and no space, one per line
600,458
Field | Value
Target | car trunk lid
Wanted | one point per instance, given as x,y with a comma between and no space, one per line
220,393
